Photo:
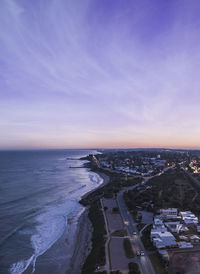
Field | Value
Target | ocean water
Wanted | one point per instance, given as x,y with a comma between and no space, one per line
39,209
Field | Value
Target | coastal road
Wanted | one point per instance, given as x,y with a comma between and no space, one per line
143,261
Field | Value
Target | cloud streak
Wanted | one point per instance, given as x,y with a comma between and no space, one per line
99,73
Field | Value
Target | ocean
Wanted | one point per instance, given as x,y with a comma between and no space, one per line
39,209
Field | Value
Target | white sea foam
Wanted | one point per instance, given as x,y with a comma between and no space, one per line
21,266
95,178
51,225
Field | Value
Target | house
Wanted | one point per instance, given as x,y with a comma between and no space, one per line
189,218
158,221
160,163
169,213
158,225
174,226
163,239
160,237
194,239
185,245
185,238
184,228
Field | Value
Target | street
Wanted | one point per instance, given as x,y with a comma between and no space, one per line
143,261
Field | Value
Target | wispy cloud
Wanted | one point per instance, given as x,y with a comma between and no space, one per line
99,73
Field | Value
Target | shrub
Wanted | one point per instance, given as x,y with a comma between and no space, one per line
128,248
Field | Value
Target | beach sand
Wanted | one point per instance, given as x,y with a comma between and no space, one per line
83,243
106,180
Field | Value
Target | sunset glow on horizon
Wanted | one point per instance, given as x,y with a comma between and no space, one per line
99,73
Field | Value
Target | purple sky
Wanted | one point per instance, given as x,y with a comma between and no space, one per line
99,73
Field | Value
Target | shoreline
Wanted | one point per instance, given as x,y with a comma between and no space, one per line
83,244
83,240
106,180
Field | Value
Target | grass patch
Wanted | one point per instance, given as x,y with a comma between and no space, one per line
128,248
119,233
97,254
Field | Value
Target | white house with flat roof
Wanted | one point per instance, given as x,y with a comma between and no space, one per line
169,213
183,244
189,218
163,239
158,225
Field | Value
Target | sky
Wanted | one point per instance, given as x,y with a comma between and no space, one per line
99,73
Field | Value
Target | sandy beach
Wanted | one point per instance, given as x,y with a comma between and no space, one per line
83,243
106,180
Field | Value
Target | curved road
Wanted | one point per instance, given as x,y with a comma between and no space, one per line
143,261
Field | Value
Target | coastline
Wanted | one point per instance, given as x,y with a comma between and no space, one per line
83,242
106,180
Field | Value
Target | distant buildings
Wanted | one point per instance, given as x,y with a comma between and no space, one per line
143,166
195,166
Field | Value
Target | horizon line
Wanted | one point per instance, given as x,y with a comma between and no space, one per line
100,148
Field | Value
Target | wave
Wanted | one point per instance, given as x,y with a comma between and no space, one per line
51,226
95,178
21,266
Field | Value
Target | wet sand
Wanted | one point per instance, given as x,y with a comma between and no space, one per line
83,243
106,180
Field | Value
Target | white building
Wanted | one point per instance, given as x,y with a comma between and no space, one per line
160,163
163,239
174,226
189,218
185,245
169,213
198,228
194,238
